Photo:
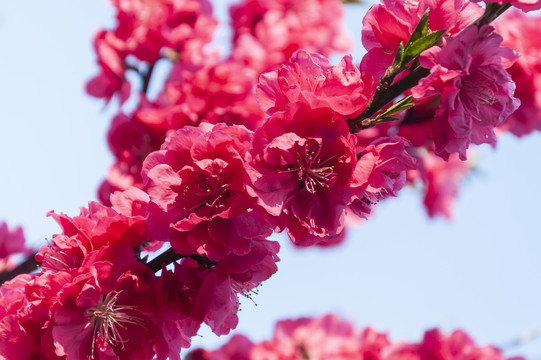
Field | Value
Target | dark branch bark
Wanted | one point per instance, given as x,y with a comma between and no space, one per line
25,267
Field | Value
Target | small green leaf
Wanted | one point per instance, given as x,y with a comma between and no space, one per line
401,105
418,46
399,54
420,30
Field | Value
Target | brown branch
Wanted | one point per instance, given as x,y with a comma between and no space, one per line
26,267
167,257
384,96
170,256
146,78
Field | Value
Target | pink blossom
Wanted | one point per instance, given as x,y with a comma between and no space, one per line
476,91
216,302
20,327
121,176
96,227
238,348
11,242
284,26
24,314
130,142
380,172
211,92
385,24
106,311
524,5
330,338
175,296
302,162
198,192
311,79
416,123
146,26
326,337
523,34
133,203
442,181
111,79
457,345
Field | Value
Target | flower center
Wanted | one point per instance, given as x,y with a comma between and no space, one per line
108,318
312,172
205,192
479,91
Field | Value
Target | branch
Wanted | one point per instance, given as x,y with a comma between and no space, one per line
384,96
170,256
167,257
492,11
146,78
26,267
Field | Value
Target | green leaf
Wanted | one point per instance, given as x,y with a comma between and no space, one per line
420,30
401,105
418,46
399,55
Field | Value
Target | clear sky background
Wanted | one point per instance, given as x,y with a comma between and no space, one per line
399,272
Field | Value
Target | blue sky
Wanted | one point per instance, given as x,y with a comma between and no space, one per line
399,272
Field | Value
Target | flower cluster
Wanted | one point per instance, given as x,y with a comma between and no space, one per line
201,86
331,338
11,242
270,137
525,72
476,88
95,283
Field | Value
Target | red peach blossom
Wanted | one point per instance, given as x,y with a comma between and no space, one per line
302,163
11,242
198,192
385,24
524,5
522,33
380,172
216,302
284,26
476,91
443,179
311,79
94,228
106,311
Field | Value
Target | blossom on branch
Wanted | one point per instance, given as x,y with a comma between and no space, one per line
11,242
468,72
381,172
331,338
301,166
278,28
522,33
198,188
390,22
311,79
524,5
96,227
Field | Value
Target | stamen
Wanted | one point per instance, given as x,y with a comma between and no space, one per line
205,192
107,318
311,171
479,91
